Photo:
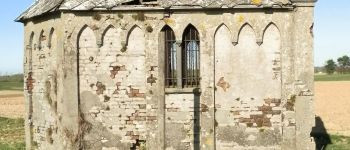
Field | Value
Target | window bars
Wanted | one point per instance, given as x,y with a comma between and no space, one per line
190,59
170,57
184,66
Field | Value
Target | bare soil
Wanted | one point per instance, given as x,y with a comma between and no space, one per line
11,104
332,105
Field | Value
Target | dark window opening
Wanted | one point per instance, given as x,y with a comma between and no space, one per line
50,37
134,2
140,2
170,57
190,57
147,1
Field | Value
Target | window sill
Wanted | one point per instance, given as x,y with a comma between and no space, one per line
194,90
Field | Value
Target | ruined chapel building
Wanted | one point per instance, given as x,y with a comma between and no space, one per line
169,74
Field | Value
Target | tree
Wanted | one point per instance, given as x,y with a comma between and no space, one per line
343,62
330,66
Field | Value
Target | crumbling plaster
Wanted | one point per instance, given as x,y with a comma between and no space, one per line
104,97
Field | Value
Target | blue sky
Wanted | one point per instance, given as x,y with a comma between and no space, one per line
332,32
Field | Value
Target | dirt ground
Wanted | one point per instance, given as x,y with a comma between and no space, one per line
332,105
11,104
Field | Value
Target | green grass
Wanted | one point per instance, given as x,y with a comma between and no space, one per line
334,77
11,134
339,143
7,85
11,82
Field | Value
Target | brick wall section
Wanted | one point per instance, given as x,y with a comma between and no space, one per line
118,79
258,69
41,85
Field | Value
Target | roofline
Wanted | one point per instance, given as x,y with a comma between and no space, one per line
158,8
21,18
18,19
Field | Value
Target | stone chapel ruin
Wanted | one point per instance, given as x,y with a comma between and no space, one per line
169,74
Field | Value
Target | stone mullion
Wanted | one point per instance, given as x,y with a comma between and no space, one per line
179,64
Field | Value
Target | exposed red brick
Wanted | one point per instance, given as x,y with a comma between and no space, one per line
30,83
135,93
261,120
267,122
223,84
265,108
116,69
151,118
100,88
141,95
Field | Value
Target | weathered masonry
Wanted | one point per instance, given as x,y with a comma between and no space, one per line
169,74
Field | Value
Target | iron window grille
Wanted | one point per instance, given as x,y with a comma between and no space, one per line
170,57
190,58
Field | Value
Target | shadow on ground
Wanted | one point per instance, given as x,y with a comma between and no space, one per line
320,135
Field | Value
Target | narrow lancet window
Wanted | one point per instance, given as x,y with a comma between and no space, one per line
190,58
170,57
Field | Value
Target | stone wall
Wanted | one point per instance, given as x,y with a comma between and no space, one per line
40,63
248,95
99,84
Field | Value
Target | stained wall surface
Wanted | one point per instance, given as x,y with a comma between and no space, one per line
99,82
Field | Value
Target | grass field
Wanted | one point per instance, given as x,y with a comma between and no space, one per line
11,134
339,142
12,82
11,130
334,77
8,85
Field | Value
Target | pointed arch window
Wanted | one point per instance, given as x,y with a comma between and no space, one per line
190,57
49,44
30,49
41,39
170,57
182,58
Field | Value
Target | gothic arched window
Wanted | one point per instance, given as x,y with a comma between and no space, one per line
170,57
190,57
